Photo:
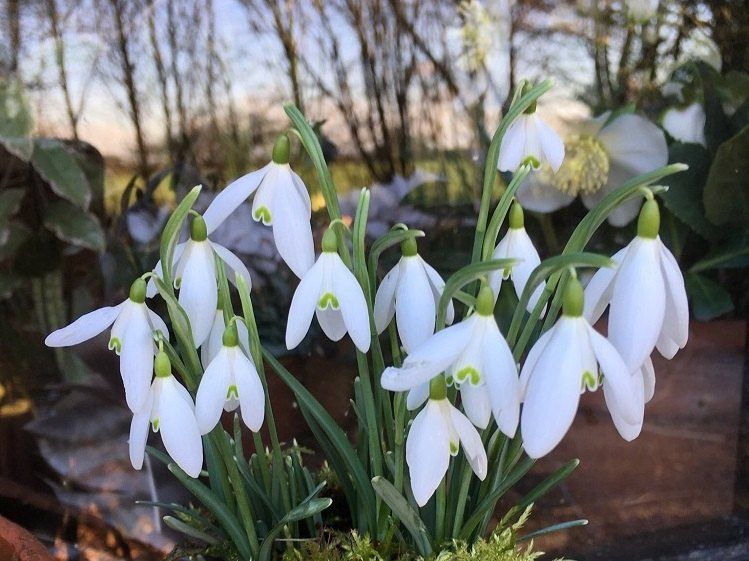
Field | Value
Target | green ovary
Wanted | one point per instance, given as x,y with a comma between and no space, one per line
585,168
263,215
328,300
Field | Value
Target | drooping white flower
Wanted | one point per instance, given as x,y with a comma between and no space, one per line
643,386
647,295
194,273
603,154
434,436
518,245
562,364
686,124
281,200
641,11
230,381
133,325
331,292
169,410
529,138
213,343
475,356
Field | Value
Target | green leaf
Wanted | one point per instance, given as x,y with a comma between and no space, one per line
548,484
731,253
405,514
726,195
709,300
8,283
308,507
554,528
74,226
56,164
22,147
190,531
170,235
684,194
10,202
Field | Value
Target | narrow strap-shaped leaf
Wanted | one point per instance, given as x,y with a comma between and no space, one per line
405,513
548,484
171,232
184,528
554,528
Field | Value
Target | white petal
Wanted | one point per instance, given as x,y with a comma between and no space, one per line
627,429
332,323
231,197
538,196
212,392
136,358
438,285
157,324
676,318
302,191
417,396
470,440
251,394
501,376
139,433
212,344
648,376
638,304
179,429
553,390
616,376
686,125
414,304
625,212
497,276
635,144
600,288
475,400
384,306
303,305
151,289
511,151
353,305
84,328
530,362
198,294
292,230
235,264
521,247
551,145
427,452
429,359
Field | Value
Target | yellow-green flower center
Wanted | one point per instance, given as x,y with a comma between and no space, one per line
585,168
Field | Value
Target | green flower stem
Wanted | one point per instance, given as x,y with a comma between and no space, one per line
465,483
518,106
439,512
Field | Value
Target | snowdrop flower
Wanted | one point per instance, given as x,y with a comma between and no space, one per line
562,364
230,381
213,343
281,200
603,154
169,410
518,245
686,124
195,276
476,357
647,296
640,11
131,337
643,387
331,292
434,437
529,138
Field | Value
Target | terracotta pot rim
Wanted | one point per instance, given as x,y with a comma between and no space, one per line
18,544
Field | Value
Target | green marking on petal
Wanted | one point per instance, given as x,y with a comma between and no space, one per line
155,425
532,161
232,391
115,345
589,381
449,380
468,373
328,300
453,448
263,215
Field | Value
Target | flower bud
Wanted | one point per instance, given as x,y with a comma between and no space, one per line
572,303
650,220
329,241
408,247
485,301
198,229
162,367
138,291
517,218
281,150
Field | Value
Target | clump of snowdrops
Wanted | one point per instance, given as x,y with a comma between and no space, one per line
451,411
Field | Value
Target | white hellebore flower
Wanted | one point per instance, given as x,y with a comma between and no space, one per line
281,200
475,355
562,364
230,381
434,437
641,11
169,409
331,292
518,245
131,337
194,274
686,124
529,138
603,154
